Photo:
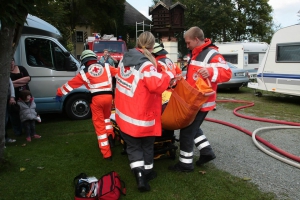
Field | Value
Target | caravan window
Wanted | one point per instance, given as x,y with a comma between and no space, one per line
253,58
231,58
288,52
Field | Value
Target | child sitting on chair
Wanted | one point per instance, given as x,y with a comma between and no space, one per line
28,114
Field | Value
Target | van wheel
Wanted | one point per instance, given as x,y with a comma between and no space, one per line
78,107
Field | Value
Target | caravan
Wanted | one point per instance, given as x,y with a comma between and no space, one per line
280,69
244,55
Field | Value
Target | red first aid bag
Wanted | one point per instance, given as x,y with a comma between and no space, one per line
110,187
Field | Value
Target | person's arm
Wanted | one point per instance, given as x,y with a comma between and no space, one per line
114,71
75,82
157,82
101,60
115,61
218,72
32,60
24,80
12,93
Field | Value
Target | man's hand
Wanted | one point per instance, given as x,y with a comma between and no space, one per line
203,72
58,98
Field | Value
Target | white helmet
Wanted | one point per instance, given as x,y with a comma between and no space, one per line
87,55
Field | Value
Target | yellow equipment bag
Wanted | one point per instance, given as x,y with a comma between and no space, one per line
184,103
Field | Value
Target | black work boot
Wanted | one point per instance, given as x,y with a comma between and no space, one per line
111,141
205,158
179,168
150,176
141,181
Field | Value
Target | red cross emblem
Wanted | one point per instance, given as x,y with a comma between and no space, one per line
96,69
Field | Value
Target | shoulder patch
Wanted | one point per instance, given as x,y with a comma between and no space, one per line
169,63
125,71
221,60
95,70
152,68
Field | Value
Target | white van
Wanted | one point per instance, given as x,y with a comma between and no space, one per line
280,70
55,68
244,55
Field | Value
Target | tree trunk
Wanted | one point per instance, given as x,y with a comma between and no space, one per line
9,38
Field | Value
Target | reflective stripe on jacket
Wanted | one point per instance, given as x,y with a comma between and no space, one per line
207,56
163,62
96,78
138,98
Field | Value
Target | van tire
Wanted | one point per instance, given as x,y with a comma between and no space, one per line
78,107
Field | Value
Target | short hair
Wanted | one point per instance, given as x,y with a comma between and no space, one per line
194,32
105,50
24,94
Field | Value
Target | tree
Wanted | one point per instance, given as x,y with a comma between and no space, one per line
102,15
231,20
12,17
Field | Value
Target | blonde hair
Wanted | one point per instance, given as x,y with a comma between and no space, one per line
194,32
146,41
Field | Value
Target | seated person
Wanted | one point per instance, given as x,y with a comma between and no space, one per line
34,57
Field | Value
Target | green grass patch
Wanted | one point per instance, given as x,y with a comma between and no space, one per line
270,105
45,169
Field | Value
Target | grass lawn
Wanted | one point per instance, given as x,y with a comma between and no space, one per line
46,167
270,105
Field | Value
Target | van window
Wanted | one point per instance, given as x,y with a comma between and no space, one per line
47,54
231,58
253,58
288,53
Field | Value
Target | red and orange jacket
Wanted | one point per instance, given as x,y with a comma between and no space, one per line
95,77
138,95
163,62
207,56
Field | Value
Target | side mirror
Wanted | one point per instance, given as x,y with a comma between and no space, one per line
69,64
67,54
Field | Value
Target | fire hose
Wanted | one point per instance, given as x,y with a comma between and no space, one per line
292,125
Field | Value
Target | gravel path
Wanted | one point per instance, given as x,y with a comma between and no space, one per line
237,154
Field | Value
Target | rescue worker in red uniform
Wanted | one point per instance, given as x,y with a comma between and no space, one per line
138,106
98,80
163,64
205,62
163,61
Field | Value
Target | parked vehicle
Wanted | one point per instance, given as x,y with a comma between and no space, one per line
116,47
58,66
280,70
244,55
239,78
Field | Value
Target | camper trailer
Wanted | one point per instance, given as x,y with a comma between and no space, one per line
244,55
53,66
280,70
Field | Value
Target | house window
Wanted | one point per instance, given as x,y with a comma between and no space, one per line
288,52
253,58
79,36
231,58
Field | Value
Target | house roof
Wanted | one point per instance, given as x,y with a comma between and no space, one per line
160,3
132,15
